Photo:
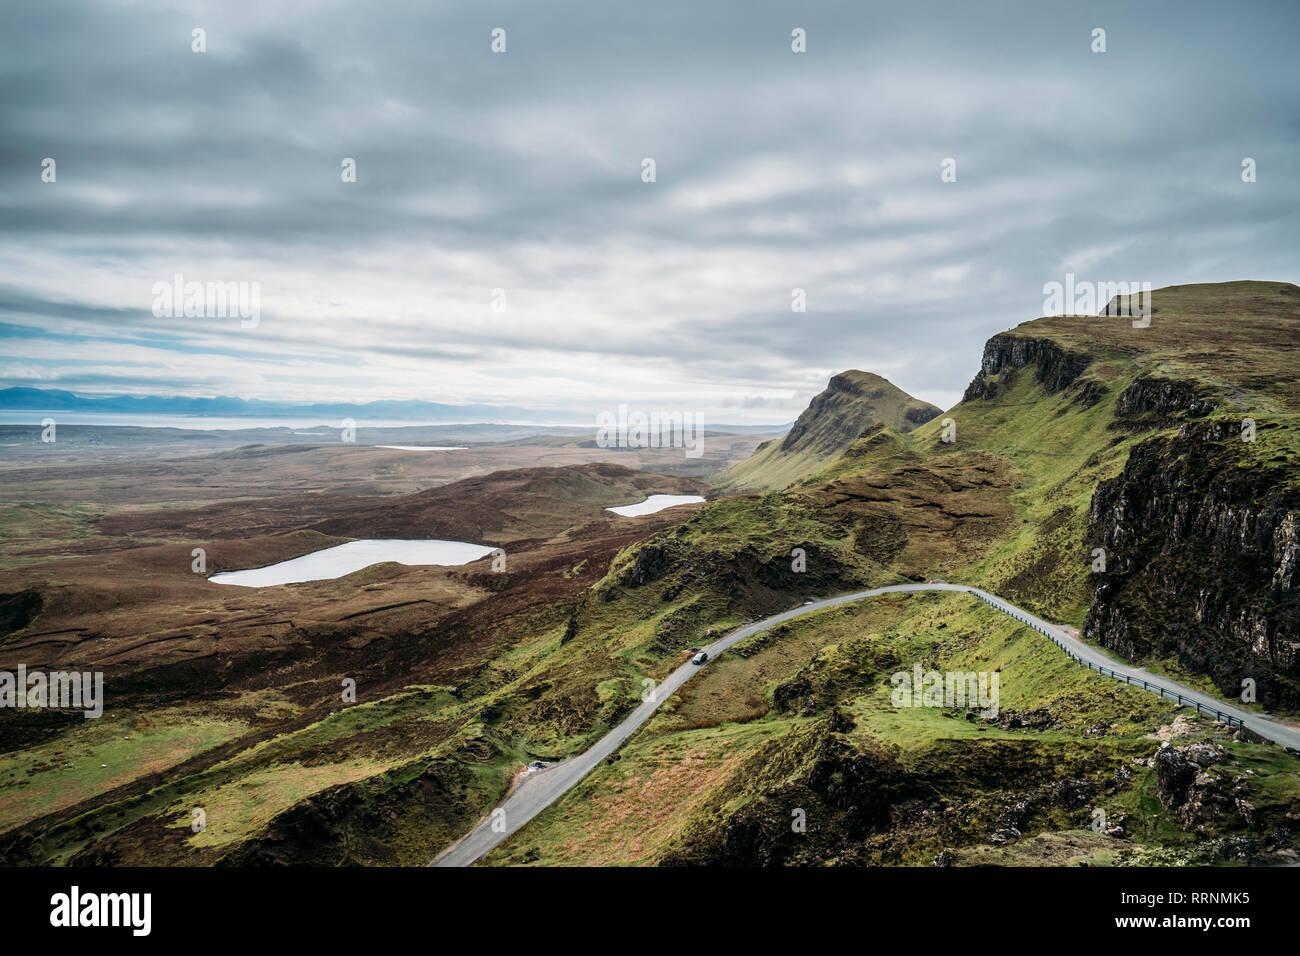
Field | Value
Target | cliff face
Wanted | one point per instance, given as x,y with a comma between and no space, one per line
1203,561
1165,398
1055,367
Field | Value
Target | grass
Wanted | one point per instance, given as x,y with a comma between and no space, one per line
243,807
675,776
246,789
101,755
627,810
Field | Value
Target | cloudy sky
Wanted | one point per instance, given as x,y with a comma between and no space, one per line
522,171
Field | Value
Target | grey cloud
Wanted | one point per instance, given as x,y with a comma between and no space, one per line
169,160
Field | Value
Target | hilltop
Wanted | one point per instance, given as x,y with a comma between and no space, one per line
852,402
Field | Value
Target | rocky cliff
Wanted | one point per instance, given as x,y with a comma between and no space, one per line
1203,559
1153,396
1055,367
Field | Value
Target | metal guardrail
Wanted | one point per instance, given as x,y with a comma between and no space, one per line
1182,699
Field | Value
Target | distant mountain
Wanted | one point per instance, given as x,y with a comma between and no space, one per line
20,398
852,402
55,400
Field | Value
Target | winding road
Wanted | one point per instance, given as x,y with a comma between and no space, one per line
538,790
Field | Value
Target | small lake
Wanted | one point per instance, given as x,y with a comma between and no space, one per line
425,447
347,558
655,503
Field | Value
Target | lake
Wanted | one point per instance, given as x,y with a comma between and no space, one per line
347,558
655,503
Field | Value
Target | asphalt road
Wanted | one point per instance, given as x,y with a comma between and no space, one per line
538,790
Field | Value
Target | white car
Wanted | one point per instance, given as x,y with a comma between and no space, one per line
700,658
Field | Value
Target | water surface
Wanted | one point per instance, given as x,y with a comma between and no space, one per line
353,556
655,503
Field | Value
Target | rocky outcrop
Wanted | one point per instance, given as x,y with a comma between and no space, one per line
851,403
840,388
920,414
851,406
1056,367
653,561
1087,392
1203,562
1165,398
1178,767
1201,800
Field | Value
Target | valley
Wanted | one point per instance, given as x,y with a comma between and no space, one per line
1094,475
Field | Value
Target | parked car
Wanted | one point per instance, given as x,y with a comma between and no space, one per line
700,658
538,765
807,601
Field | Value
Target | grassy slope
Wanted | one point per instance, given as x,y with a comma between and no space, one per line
711,758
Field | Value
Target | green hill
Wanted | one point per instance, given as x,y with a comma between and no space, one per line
1077,433
1084,432
852,402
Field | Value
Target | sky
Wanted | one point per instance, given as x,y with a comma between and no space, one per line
500,244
